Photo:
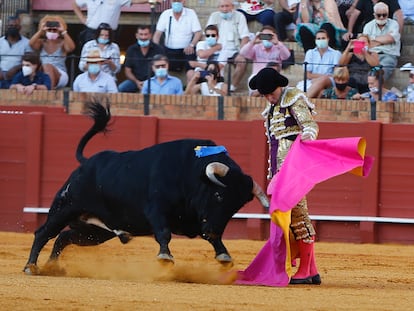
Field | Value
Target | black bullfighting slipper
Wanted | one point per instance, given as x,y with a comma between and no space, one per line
315,280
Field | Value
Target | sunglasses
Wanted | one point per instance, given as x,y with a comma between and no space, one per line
411,75
160,66
379,15
211,35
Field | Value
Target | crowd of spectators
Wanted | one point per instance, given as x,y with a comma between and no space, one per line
346,43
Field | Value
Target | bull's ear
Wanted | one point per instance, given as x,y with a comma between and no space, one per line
219,169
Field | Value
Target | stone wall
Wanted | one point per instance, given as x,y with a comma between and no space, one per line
204,107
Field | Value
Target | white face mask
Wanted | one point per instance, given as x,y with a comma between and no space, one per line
381,22
27,70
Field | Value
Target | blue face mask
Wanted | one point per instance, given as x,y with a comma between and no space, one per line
161,72
94,69
321,44
267,44
226,16
177,7
143,43
103,41
211,41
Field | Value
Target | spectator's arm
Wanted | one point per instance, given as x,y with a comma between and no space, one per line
204,54
79,13
130,76
247,50
192,87
304,12
351,23
244,41
157,36
346,54
68,44
399,17
371,58
36,41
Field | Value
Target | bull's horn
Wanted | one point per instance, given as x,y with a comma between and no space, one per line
260,195
216,168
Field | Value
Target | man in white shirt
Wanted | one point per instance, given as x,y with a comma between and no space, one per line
385,38
182,31
94,80
234,33
99,11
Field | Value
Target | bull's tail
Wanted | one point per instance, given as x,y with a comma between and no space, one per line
101,114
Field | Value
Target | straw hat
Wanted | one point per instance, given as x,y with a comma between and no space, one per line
94,56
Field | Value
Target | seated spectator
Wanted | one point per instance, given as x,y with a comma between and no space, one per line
364,13
261,11
385,38
321,62
162,83
109,51
264,48
341,90
12,47
208,82
138,60
408,92
208,49
182,31
53,42
94,80
234,33
376,88
315,15
31,77
407,7
359,61
288,15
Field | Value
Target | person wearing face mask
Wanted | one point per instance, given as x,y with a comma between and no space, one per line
31,77
315,15
321,62
265,48
385,38
341,90
234,34
211,84
109,50
182,30
375,76
97,12
408,92
138,60
12,47
162,83
94,80
207,50
53,42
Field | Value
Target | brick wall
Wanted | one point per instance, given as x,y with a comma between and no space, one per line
207,108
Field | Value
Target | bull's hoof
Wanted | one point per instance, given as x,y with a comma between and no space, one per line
165,258
31,269
225,259
125,238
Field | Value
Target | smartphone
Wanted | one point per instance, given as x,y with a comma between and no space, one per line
204,73
52,24
265,36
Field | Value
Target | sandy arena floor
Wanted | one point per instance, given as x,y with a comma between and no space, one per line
113,276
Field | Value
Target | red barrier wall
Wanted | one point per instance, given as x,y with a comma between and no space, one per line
37,154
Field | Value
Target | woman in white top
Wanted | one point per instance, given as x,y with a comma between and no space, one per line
53,43
109,50
207,82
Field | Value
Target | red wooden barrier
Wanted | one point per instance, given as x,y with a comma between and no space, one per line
37,153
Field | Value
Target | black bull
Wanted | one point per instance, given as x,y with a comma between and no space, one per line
159,190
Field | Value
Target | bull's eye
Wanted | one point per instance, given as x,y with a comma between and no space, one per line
218,196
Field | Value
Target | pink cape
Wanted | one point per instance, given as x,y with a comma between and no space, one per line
307,163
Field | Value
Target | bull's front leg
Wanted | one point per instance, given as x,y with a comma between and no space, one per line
222,255
163,237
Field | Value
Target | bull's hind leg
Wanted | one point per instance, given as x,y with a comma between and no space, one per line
81,235
222,255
